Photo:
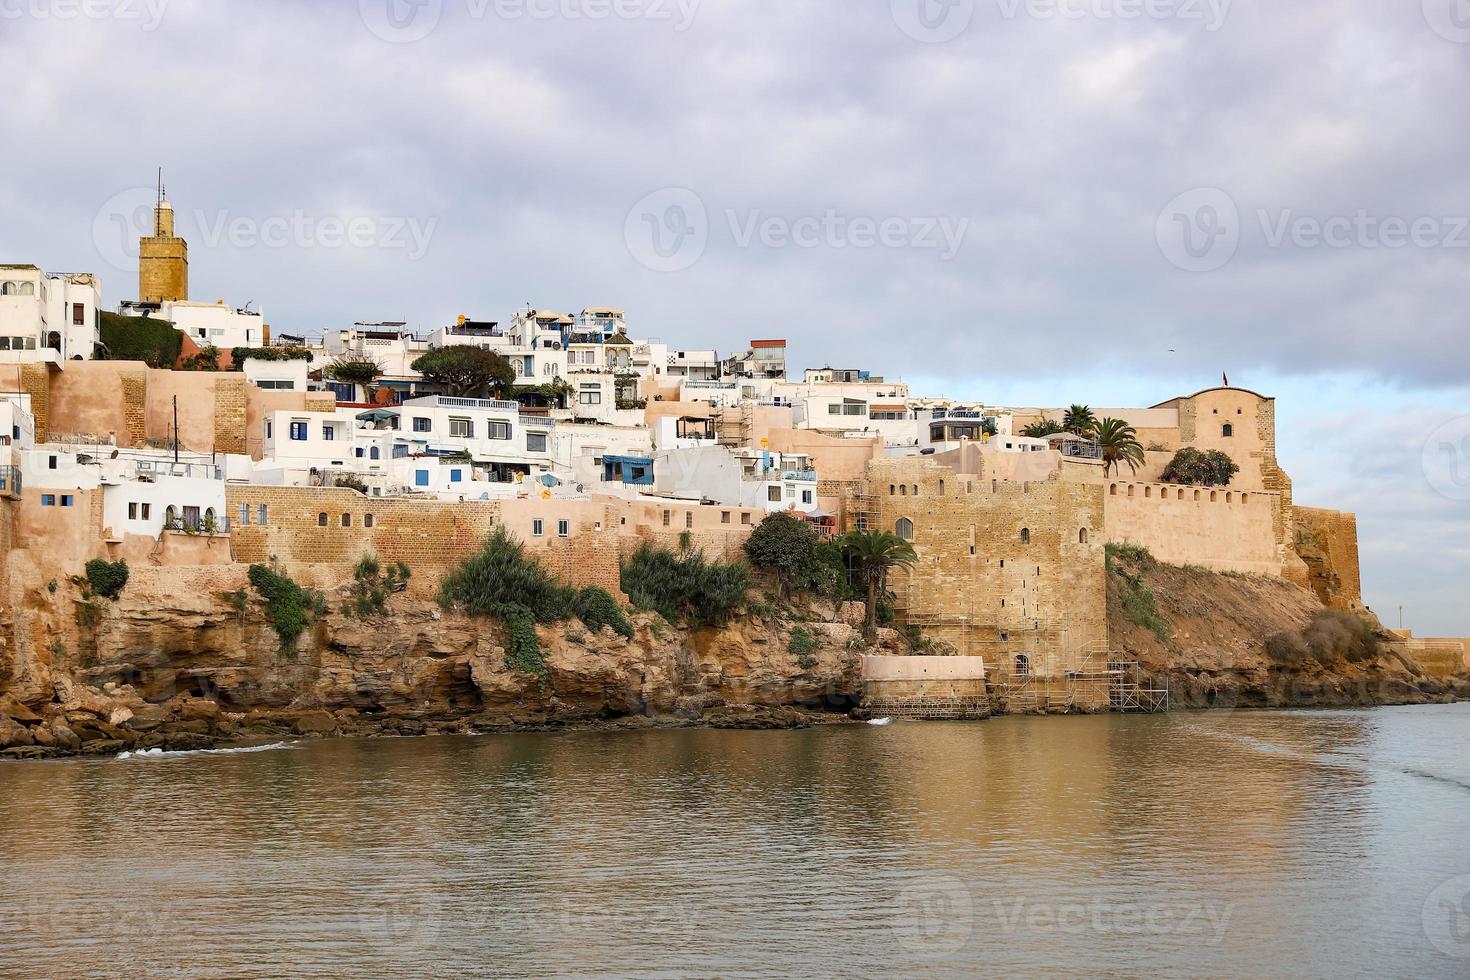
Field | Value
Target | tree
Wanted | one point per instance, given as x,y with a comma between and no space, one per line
1119,443
206,359
468,372
1211,469
1042,429
785,544
1079,421
874,553
353,369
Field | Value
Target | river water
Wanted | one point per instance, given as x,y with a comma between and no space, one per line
1324,843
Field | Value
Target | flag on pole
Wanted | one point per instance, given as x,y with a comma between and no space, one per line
1226,378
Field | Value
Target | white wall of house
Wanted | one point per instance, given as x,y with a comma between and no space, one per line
215,323
47,317
137,507
289,375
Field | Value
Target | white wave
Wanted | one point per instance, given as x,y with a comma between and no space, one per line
160,753
880,721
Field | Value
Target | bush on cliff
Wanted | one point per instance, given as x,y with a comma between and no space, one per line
107,578
685,586
288,606
787,546
502,581
1333,635
371,586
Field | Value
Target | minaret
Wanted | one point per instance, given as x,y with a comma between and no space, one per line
163,259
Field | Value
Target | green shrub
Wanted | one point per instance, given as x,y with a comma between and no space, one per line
288,606
802,646
371,587
685,586
239,355
139,338
525,652
1211,468
501,577
349,481
107,578
597,608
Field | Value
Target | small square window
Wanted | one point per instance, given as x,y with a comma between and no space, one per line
298,431
48,500
745,517
724,517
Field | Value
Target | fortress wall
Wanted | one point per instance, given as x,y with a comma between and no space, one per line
1327,541
1219,529
1004,567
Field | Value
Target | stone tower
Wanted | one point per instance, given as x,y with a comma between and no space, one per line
163,259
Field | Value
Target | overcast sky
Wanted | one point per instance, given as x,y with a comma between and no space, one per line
1022,201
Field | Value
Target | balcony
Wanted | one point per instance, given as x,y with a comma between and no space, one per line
800,476
488,404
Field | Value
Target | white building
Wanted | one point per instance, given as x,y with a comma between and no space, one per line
215,324
47,317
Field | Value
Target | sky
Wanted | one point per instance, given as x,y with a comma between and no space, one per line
1021,201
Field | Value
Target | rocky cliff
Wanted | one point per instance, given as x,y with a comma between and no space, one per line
1207,633
187,659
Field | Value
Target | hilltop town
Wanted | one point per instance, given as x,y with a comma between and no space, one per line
187,442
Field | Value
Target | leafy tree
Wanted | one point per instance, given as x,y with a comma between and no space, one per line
1042,429
785,544
1211,469
989,426
207,359
1119,443
353,369
873,553
468,372
1079,421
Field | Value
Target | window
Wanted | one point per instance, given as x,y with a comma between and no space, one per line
373,452
78,315
1025,535
329,432
244,513
460,428
455,475
806,496
1227,430
422,424
267,428
1023,665
132,511
367,520
260,515
146,510
321,520
420,478
589,396
298,431
346,520
563,529
498,430
51,462
689,519
48,500
358,452
666,518
1082,536
904,529
773,494
745,517
66,500
536,442
538,528
724,517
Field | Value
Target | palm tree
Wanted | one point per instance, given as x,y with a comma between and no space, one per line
874,553
1080,421
1119,443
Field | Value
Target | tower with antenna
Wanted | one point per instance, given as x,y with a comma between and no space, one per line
163,257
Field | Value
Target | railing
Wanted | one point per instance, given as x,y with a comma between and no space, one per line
1080,450
485,403
807,476
538,422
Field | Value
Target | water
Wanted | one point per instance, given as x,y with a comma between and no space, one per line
1245,844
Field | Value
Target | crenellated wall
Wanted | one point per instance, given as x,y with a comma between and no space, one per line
1216,528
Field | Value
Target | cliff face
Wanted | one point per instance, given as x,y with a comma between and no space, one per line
177,663
1205,634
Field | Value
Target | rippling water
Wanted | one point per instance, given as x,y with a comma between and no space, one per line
1310,843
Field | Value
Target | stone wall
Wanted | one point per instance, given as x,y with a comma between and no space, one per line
1005,568
1327,541
1219,529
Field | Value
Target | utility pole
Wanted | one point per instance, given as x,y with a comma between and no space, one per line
176,430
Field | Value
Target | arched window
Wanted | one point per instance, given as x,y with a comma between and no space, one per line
1082,536
1229,497
321,520
1212,496
904,529
1148,491
1227,430
209,516
916,489
170,516
941,488
1196,496
1025,535
892,490
1023,665
1113,490
903,490
373,452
